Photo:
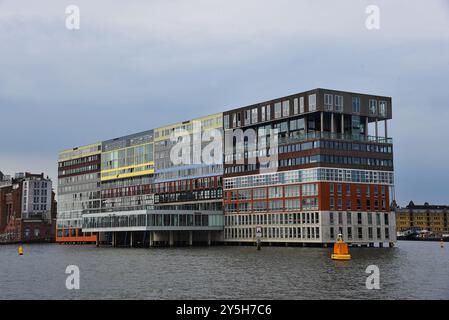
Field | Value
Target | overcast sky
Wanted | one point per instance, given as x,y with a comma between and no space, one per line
137,65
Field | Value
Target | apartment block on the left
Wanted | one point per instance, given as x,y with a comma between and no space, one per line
78,190
27,208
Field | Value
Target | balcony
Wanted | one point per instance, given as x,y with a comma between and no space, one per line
298,137
46,216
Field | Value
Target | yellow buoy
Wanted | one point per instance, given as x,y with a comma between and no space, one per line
20,250
341,251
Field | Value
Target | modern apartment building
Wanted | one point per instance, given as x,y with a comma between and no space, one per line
147,200
79,190
301,169
327,176
432,218
27,208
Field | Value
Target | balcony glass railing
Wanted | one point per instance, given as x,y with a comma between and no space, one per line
336,136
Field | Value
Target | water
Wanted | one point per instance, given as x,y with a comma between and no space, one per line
412,270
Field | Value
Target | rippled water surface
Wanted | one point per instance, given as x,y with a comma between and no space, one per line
412,270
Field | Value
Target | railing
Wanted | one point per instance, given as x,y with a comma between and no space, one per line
154,219
37,216
336,136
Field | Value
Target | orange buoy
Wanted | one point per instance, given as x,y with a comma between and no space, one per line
341,251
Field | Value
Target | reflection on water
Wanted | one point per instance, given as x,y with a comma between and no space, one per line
412,270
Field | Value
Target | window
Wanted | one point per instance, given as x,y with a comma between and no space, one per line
301,105
372,107
312,102
247,117
383,108
331,217
285,108
295,106
359,233
356,104
348,218
356,125
291,191
349,233
339,103
277,110
262,113
275,192
268,112
359,218
254,115
328,102
332,235
260,193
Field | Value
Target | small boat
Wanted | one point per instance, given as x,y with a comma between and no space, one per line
341,251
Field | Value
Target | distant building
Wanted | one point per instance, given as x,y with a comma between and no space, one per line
433,218
4,179
27,208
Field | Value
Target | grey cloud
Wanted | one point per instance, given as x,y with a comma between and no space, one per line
146,64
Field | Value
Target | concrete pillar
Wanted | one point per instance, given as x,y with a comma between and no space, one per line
209,238
171,241
386,130
342,124
306,125
190,238
366,127
114,239
151,235
322,121
332,122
